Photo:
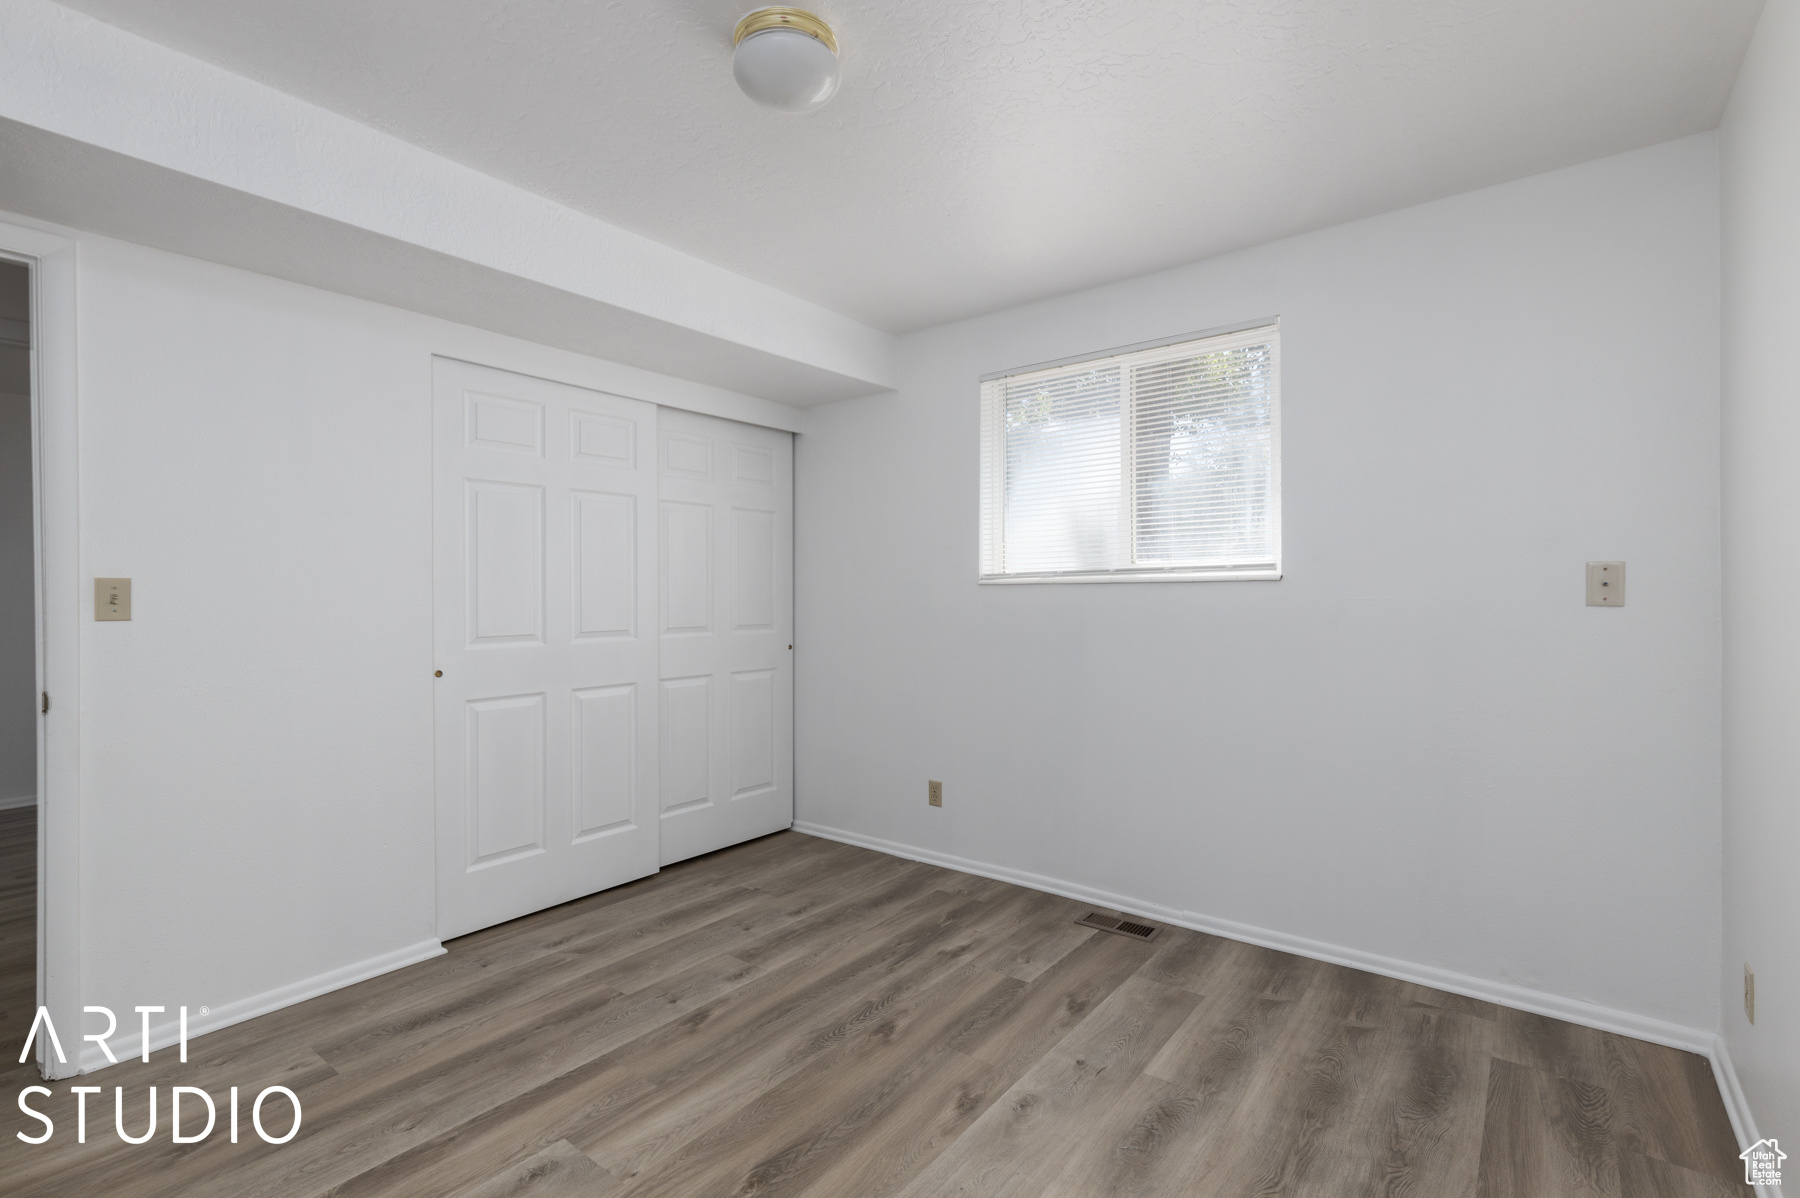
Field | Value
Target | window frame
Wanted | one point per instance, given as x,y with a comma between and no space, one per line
992,464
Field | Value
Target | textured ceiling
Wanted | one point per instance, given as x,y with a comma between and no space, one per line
981,153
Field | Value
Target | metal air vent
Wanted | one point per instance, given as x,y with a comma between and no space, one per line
1119,926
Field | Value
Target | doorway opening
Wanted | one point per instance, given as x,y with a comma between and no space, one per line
18,665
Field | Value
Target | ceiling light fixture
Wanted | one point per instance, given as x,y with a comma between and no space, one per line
786,59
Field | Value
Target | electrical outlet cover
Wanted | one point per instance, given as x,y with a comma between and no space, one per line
1606,584
112,598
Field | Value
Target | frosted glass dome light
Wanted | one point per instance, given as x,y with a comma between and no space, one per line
786,59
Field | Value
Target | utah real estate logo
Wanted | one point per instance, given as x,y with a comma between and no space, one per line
1762,1163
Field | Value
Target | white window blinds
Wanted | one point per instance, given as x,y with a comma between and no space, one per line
1157,463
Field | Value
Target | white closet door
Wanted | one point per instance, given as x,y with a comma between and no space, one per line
726,579
545,593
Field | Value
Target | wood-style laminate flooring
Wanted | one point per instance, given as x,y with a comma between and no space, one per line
798,1017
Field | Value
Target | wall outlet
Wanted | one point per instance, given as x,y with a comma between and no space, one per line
934,793
1606,584
1749,993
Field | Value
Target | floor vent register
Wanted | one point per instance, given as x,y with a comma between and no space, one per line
1119,926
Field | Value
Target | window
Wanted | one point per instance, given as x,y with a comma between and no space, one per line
1154,463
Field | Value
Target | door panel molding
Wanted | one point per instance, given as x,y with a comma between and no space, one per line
735,565
545,605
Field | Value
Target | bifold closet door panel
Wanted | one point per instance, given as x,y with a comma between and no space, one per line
545,626
725,528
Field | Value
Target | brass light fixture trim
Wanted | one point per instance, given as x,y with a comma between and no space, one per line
785,18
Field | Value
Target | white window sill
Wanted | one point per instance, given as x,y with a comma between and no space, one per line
1144,576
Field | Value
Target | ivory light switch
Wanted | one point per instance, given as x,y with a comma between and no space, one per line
1606,584
112,598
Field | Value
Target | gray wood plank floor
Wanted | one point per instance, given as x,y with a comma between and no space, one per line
798,1017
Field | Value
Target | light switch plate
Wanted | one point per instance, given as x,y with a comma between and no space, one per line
112,598
1606,584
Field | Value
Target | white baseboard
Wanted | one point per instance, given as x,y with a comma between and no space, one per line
29,800
1625,1023
128,1043
1737,1107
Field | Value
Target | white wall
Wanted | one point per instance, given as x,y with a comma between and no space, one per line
1420,744
1760,150
257,740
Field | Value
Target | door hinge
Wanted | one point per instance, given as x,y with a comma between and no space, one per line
46,709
